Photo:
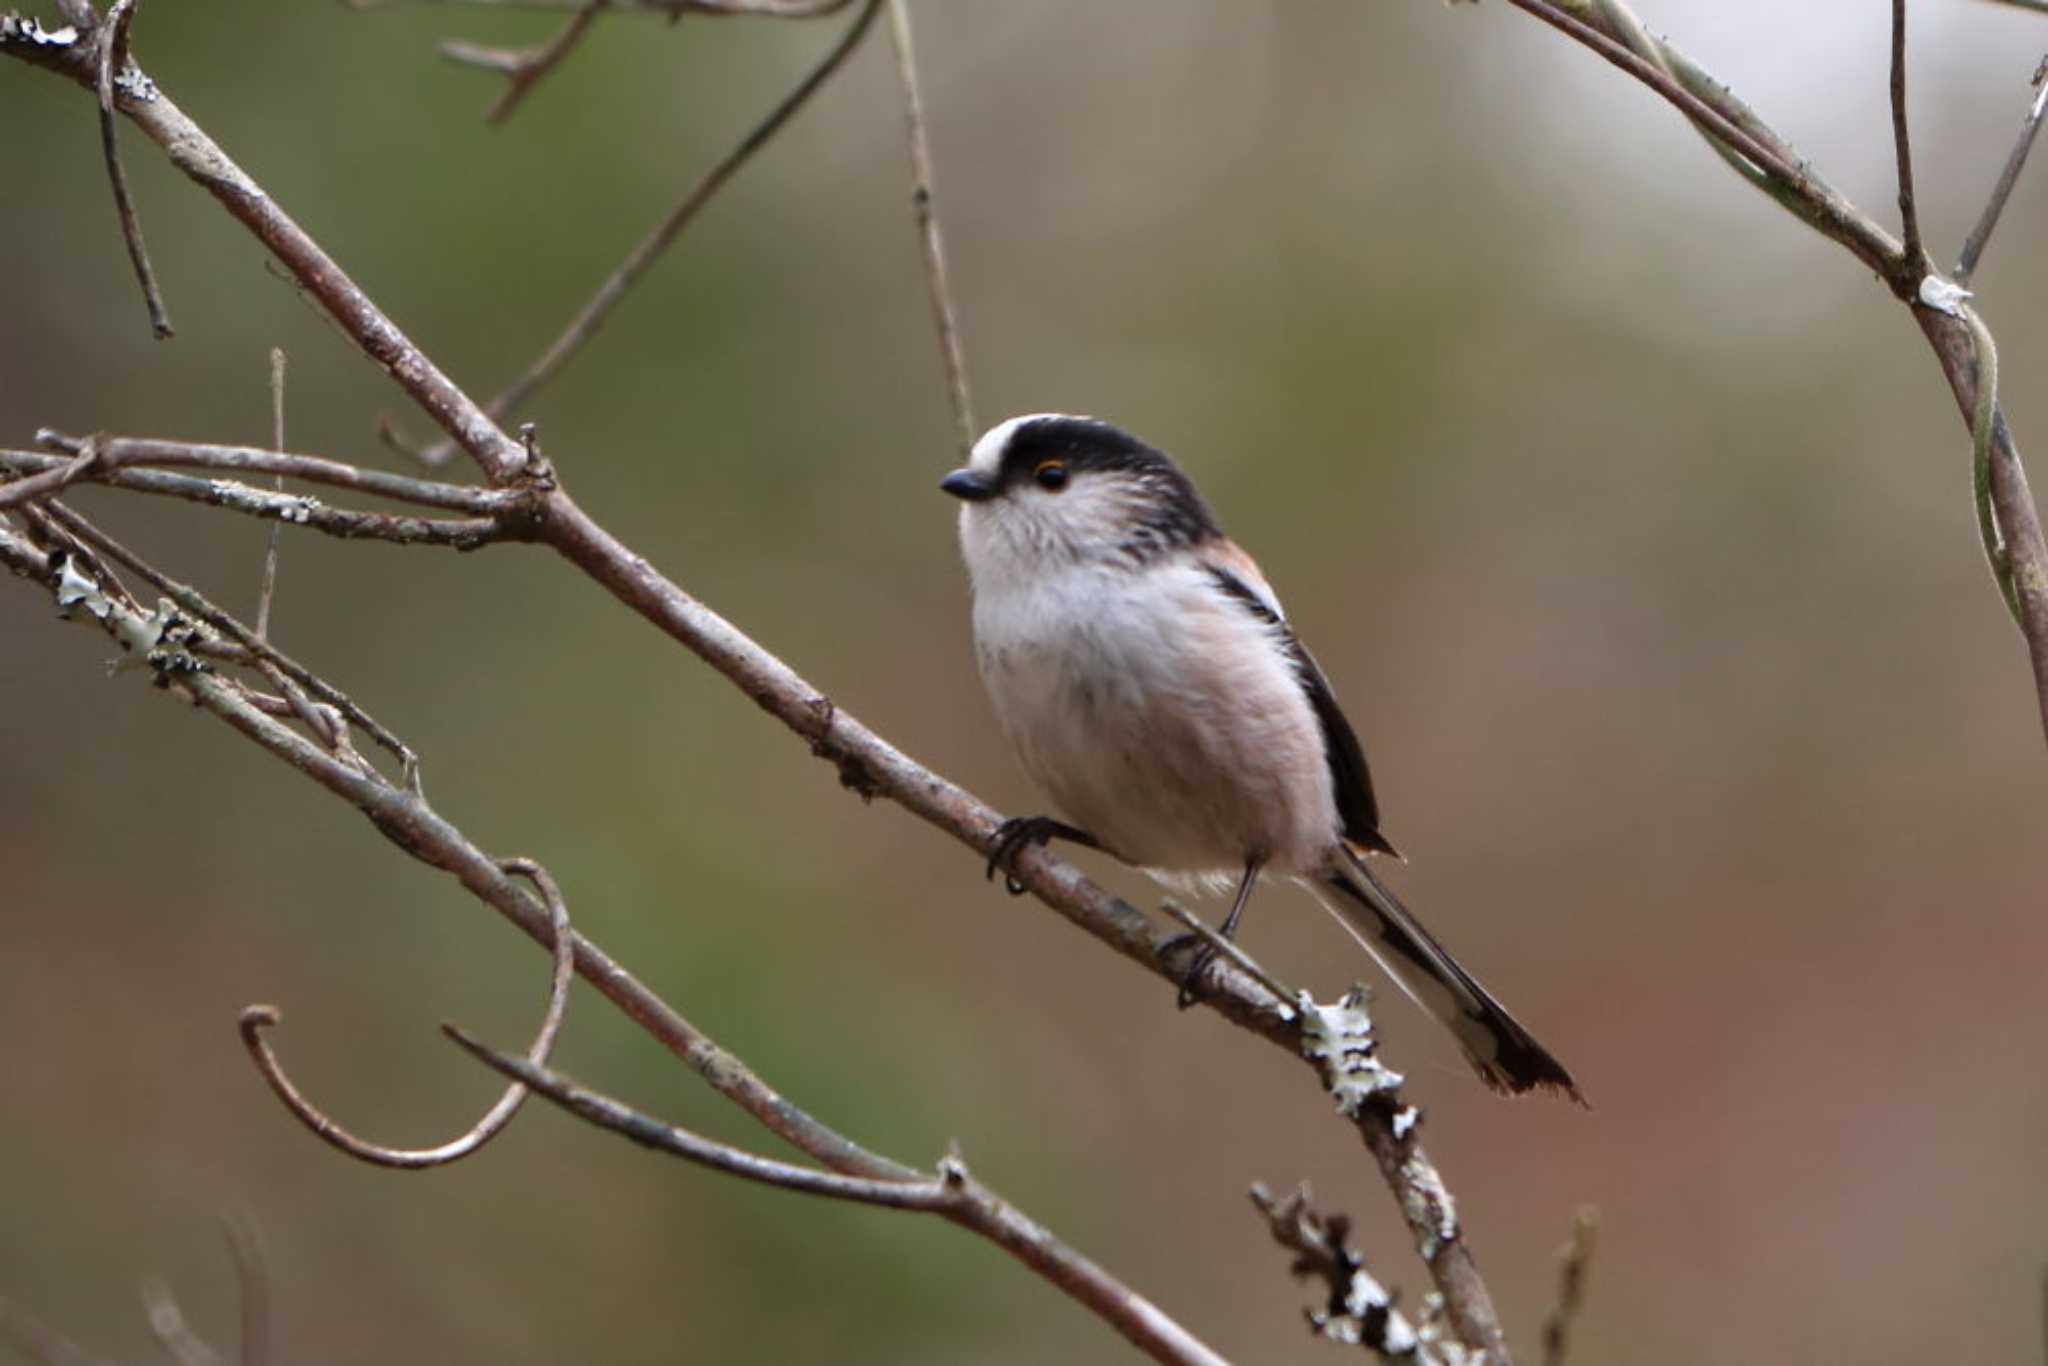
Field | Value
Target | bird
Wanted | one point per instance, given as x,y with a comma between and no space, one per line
1151,685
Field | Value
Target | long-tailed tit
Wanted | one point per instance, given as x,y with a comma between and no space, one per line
1151,685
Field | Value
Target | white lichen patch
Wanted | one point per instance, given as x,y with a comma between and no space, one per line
1338,1038
1405,1120
1428,1206
75,589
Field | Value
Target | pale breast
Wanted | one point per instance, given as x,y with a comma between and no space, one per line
1160,716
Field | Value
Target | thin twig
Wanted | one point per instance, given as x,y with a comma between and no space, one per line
953,1193
257,1018
863,758
1572,1262
269,590
53,479
1834,217
1358,1310
192,600
148,450
172,1333
468,533
1973,246
1228,948
252,1277
38,1341
111,44
522,67
405,818
1902,143
950,354
610,1114
593,314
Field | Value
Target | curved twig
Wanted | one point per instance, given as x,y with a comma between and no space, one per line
257,1018
1572,1264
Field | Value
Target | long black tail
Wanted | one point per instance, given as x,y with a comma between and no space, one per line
1507,1056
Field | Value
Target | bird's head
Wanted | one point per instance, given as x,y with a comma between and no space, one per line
1046,491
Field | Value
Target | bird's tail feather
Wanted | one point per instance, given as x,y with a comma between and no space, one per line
1507,1056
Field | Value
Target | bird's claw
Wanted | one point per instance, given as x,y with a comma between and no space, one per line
1018,831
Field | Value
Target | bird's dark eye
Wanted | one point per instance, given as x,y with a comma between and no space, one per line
1051,475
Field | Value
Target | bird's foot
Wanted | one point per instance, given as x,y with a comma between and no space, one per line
1191,980
1018,831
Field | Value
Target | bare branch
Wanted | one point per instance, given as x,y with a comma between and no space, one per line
1832,215
1948,327
145,450
953,1194
256,1019
297,509
252,1277
1902,144
943,319
38,1341
54,478
1571,1285
586,323
522,67
865,761
1358,1311
1980,236
1227,947
191,600
173,1334
269,589
610,1114
111,55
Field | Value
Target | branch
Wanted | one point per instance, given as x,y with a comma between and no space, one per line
297,509
522,67
585,324
1359,1311
950,354
172,1333
38,1341
2022,560
866,762
268,591
1902,144
953,1193
2015,161
252,1279
110,48
256,1019
1571,1286
118,451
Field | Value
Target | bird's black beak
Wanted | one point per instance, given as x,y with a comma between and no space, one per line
969,486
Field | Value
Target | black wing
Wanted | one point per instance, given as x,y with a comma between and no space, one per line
1346,757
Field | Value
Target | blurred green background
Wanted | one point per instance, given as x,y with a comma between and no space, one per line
1630,518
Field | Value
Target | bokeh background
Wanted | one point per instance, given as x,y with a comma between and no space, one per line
1630,517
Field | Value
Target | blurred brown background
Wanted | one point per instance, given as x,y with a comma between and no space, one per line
1630,517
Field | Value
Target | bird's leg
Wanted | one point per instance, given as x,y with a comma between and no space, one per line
1207,953
1018,831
